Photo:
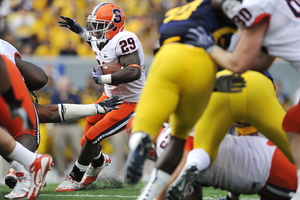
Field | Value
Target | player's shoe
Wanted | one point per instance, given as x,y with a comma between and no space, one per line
68,185
21,188
92,173
11,178
139,146
178,189
38,171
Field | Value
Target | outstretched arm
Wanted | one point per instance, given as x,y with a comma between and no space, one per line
73,112
75,27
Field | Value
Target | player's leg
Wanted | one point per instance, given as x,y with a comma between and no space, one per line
209,132
72,183
172,85
265,112
38,165
195,194
115,122
91,155
158,100
28,138
185,116
92,120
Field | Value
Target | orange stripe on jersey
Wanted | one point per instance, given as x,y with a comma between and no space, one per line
17,54
283,177
134,65
189,144
260,18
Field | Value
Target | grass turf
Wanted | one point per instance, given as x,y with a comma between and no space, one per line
112,189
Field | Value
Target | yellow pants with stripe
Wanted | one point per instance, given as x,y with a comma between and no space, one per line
256,104
178,87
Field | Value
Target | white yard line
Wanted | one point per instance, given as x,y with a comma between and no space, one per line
86,195
117,196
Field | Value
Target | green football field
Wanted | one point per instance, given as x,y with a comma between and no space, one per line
111,190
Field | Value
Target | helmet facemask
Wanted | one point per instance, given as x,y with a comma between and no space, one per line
98,28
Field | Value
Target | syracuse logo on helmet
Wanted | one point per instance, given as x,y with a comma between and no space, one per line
105,21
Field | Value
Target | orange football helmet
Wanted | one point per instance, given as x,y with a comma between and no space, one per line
105,21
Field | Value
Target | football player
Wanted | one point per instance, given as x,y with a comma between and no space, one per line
35,78
273,175
13,110
270,24
29,138
179,84
104,31
244,165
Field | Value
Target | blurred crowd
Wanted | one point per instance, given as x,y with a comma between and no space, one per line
32,25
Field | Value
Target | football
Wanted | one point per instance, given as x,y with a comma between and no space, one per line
111,67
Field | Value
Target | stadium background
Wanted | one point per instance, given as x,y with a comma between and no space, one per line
32,27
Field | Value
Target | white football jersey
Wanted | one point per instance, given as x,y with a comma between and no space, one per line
8,50
164,138
282,37
242,166
122,43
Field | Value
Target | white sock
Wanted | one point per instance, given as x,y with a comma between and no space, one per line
200,157
82,168
298,187
158,180
22,155
18,167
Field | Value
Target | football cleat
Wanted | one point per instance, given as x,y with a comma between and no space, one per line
21,188
38,171
68,185
92,173
178,189
11,178
139,145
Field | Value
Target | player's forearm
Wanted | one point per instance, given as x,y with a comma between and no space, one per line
72,112
228,61
66,112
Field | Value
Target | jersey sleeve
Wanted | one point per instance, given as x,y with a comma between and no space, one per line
248,14
11,52
127,44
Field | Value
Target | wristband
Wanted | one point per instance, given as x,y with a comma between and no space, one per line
134,65
210,49
105,79
85,35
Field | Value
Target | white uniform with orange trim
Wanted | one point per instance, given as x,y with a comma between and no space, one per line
8,50
122,43
163,139
282,36
243,165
